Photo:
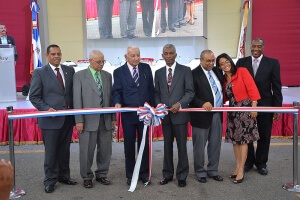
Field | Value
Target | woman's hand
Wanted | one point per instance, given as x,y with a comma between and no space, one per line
253,115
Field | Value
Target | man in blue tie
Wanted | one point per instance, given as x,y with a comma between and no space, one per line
133,86
207,126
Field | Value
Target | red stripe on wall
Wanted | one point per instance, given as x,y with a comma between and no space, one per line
278,23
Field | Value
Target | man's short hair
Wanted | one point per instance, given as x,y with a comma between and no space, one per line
52,46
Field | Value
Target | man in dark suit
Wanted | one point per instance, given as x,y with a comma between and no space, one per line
266,74
6,39
52,89
92,89
147,16
174,87
133,86
105,8
207,126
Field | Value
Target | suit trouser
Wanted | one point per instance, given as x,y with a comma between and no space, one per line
178,11
105,18
147,15
57,152
130,131
260,159
212,137
163,23
87,144
128,17
179,131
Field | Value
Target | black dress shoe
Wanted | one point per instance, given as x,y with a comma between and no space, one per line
181,183
165,181
163,30
103,181
49,188
128,181
232,176
172,29
67,181
88,183
202,180
247,168
217,178
263,171
177,26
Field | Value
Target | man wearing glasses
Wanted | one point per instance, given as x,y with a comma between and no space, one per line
92,89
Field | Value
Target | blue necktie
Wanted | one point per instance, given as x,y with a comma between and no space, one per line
216,91
135,77
99,85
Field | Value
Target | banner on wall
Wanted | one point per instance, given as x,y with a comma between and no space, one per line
241,52
36,52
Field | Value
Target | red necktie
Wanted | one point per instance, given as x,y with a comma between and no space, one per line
59,77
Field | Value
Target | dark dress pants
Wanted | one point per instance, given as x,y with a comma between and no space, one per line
130,132
105,8
147,15
178,131
57,152
260,158
163,22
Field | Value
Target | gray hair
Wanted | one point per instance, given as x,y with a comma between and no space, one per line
205,52
94,54
169,46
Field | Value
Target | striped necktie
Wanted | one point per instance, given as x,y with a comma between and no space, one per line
216,90
99,85
136,76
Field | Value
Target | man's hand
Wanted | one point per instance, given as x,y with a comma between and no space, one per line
276,116
51,110
175,107
79,127
207,106
118,105
6,178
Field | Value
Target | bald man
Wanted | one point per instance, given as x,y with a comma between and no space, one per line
92,89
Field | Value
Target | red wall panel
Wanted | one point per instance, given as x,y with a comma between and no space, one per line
278,23
16,15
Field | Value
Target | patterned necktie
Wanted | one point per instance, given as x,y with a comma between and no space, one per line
255,66
169,78
216,91
99,85
136,77
59,77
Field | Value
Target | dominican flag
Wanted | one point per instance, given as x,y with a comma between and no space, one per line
36,52
242,41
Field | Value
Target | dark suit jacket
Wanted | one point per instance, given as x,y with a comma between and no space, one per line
87,95
203,93
46,92
267,80
126,92
11,40
181,91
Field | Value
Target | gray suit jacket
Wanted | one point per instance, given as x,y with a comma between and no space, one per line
181,91
86,95
46,92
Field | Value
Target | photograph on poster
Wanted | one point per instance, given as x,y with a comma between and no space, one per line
108,19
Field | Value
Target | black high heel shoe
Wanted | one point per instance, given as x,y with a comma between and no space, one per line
239,180
232,176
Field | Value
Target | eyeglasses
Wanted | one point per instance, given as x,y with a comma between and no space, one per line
223,63
210,61
100,62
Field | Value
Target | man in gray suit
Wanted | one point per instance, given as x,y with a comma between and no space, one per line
92,89
174,87
52,89
128,17
207,126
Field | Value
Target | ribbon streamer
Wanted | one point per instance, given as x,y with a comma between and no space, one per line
150,116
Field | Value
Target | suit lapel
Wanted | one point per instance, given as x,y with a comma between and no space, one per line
91,81
176,76
203,78
52,75
127,75
261,68
104,86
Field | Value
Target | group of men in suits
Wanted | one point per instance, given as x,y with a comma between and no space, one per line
55,87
